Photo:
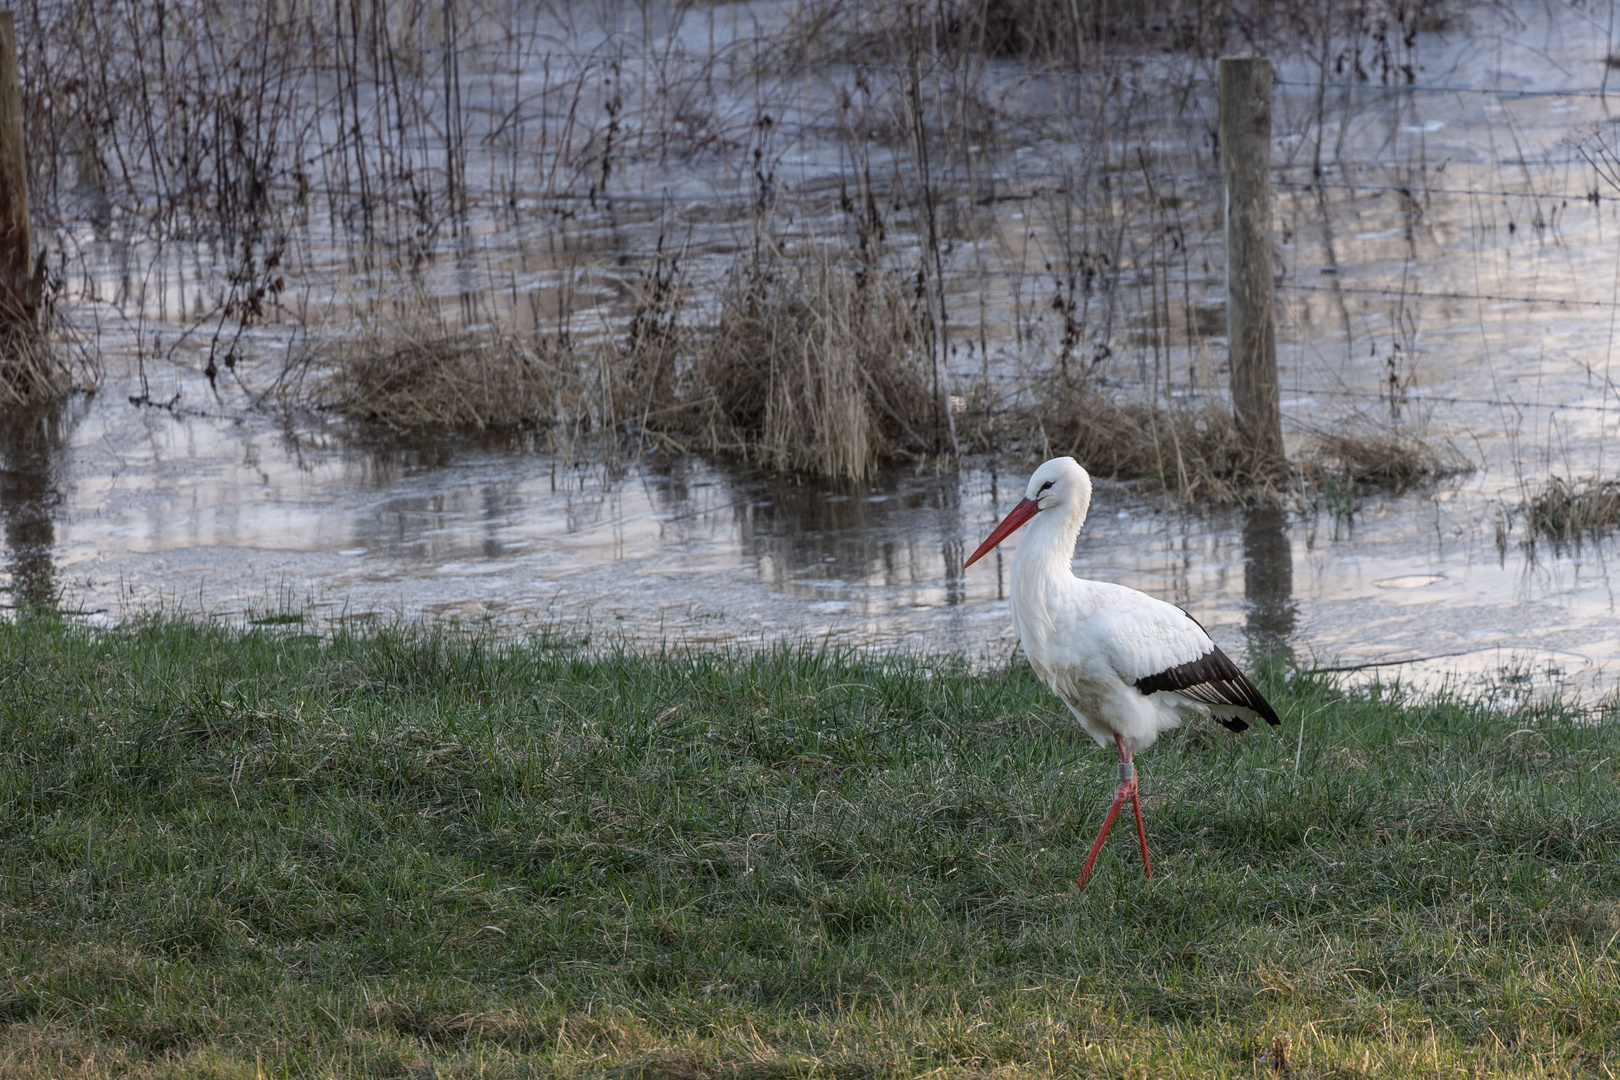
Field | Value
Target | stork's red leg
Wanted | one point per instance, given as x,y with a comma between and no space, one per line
1141,832
1126,790
1127,774
1120,796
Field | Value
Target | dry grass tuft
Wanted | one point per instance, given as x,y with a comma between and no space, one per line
39,364
33,369
603,1030
434,379
650,357
1086,36
815,367
1194,452
1367,456
1565,510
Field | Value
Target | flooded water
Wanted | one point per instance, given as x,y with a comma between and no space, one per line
121,510
1454,268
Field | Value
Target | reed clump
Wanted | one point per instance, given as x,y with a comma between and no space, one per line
435,379
1095,35
1565,510
1194,451
33,368
814,366
1383,458
40,362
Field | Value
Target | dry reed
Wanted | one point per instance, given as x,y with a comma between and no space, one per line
815,367
33,368
1565,510
431,379
1195,452
1369,456
41,360
1098,34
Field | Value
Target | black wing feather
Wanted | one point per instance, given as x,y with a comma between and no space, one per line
1214,680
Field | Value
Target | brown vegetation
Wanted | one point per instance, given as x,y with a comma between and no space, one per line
814,367
1090,36
1193,451
1196,452
810,366
1565,510
32,369
431,379
1366,454
824,369
39,362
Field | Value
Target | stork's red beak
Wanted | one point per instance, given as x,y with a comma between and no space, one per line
1009,525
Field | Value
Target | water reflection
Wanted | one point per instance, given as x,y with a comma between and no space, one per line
30,442
1268,582
812,537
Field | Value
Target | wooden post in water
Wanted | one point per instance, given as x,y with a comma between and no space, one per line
18,290
1251,328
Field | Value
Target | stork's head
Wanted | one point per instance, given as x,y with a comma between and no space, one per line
1059,487
1059,482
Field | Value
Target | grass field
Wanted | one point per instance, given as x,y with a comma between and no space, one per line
426,854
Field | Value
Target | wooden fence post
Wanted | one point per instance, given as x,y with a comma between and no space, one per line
18,292
1251,327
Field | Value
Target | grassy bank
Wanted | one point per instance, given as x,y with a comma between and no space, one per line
260,854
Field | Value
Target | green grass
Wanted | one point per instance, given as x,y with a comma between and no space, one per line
427,854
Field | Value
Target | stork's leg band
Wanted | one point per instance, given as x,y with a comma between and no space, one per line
1127,772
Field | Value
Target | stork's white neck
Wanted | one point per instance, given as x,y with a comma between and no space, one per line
1047,546
1042,581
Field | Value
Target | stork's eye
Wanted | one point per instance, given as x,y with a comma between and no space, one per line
1044,486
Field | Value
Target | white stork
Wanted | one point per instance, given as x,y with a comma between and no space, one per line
1128,666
